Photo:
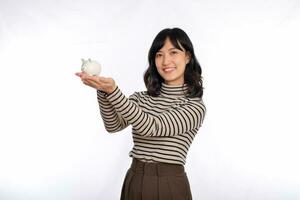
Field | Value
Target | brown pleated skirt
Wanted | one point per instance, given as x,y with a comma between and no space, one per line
155,181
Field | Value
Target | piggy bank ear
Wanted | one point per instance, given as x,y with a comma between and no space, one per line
82,65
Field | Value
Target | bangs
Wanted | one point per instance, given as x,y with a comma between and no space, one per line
161,42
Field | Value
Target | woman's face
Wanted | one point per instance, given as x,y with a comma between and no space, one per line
170,63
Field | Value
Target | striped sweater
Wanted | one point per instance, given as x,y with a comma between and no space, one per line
163,127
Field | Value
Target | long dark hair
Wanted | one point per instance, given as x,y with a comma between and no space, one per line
192,74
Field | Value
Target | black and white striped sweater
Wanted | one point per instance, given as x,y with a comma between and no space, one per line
163,127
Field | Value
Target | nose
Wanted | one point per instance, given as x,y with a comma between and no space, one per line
166,60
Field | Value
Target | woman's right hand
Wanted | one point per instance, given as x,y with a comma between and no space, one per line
104,84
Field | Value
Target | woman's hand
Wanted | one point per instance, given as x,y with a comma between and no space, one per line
107,85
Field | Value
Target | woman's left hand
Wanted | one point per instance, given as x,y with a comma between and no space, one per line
107,85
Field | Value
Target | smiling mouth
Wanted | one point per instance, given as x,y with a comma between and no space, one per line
169,69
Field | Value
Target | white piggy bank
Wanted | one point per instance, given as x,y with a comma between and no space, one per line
91,67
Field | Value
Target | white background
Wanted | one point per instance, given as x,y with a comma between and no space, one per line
53,145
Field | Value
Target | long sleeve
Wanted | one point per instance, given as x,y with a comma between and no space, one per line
113,121
175,121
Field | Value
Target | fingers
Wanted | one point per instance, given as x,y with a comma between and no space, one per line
91,81
97,82
84,75
96,79
103,79
80,73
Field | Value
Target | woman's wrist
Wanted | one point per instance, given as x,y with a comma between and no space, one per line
111,90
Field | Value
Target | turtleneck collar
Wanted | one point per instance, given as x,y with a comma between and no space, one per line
173,90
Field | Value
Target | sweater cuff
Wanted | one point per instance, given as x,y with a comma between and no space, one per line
105,94
113,93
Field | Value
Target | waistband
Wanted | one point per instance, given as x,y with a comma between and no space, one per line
156,168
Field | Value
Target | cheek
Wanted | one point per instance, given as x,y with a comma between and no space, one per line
181,62
157,63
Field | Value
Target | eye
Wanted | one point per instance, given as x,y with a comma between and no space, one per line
158,55
173,52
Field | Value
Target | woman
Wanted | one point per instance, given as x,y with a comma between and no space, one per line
164,119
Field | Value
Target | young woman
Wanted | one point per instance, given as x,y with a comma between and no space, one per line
164,119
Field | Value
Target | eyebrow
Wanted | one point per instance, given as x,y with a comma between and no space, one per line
171,49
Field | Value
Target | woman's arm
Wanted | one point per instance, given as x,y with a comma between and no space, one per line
175,121
113,122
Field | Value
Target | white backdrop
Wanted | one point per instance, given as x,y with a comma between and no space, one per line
53,145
